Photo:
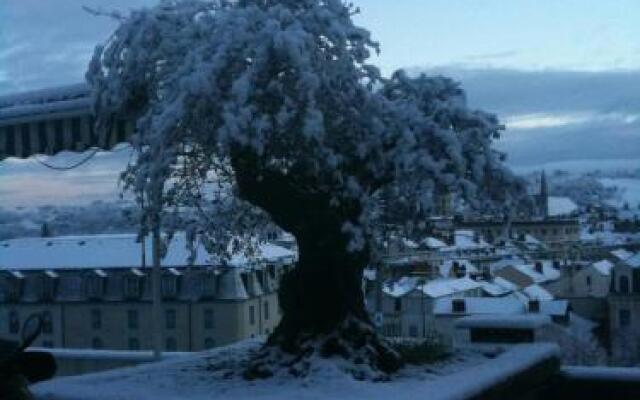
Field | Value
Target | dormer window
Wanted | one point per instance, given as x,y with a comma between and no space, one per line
169,286
132,286
48,286
208,285
95,286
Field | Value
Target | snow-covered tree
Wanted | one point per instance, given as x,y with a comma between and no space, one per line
269,110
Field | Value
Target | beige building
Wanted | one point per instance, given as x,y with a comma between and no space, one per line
624,309
560,235
93,292
407,303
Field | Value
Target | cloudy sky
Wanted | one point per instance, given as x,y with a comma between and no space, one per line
564,75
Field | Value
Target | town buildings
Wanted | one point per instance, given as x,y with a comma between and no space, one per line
95,292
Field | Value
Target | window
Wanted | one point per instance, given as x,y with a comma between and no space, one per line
170,319
134,344
169,286
413,331
96,343
266,310
132,319
209,321
96,319
589,282
252,315
48,288
624,284
397,306
47,343
131,286
209,343
624,317
209,285
14,322
95,287
171,344
47,322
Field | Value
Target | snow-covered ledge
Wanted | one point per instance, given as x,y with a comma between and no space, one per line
83,361
598,383
206,376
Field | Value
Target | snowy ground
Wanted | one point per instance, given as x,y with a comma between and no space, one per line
215,375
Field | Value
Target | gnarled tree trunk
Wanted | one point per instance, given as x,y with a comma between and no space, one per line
322,298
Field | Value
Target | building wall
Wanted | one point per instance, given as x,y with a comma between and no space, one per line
54,338
73,323
590,282
191,319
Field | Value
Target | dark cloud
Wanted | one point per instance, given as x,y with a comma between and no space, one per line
582,115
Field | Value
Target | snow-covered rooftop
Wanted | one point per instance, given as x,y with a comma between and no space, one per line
112,251
481,305
447,266
432,243
633,261
536,292
468,240
72,98
548,273
621,254
603,267
435,288
508,305
558,206
523,321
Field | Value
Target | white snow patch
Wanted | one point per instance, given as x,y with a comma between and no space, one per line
205,376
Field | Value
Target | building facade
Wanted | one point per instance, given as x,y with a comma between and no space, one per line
89,300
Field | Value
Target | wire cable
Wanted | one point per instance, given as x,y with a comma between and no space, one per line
77,164
68,167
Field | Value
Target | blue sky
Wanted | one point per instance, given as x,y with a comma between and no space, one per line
519,34
48,42
564,75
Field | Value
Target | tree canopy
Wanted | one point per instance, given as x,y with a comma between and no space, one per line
270,110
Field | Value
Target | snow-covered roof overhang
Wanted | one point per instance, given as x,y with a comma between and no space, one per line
53,120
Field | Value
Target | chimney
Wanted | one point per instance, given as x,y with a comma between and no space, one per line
458,306
538,267
534,306
486,274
